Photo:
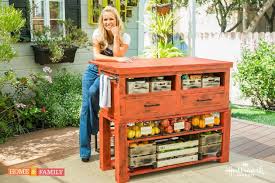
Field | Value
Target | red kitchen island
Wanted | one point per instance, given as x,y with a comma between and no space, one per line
167,113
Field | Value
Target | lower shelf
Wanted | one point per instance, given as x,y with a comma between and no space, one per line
150,169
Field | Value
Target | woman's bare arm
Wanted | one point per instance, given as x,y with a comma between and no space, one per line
119,49
100,57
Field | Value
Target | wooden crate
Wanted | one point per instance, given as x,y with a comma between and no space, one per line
170,145
139,161
183,159
210,139
180,152
210,81
210,148
137,86
188,83
142,150
156,86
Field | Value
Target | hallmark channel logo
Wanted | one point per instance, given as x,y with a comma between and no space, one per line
244,170
36,171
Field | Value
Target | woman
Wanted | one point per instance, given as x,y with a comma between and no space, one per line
109,44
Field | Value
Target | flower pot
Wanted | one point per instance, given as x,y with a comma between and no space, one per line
42,55
163,9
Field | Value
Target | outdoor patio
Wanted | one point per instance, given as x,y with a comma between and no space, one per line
252,158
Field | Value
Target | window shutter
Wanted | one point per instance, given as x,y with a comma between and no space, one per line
23,5
73,11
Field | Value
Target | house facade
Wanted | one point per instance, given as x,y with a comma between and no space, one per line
78,11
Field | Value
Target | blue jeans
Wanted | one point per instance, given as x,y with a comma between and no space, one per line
89,111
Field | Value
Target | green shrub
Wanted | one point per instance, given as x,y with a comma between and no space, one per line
38,101
19,113
61,99
256,75
13,105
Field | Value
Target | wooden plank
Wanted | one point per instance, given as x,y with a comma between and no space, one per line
176,153
257,146
121,153
245,129
261,130
254,134
178,160
105,148
254,148
270,158
264,153
257,133
226,122
238,141
236,125
241,140
149,170
270,142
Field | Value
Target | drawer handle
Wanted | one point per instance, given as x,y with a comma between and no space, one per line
204,100
151,105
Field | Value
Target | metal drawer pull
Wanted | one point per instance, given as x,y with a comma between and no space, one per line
151,105
204,100
113,78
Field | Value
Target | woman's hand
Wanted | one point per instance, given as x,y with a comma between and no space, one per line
115,31
124,59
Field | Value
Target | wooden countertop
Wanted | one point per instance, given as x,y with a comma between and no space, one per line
161,65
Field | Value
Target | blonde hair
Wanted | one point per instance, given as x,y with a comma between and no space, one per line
105,39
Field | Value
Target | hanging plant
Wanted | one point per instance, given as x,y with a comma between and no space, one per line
52,47
163,9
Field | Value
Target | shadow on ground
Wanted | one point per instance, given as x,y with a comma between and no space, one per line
38,147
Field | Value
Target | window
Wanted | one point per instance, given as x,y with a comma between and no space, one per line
39,13
47,13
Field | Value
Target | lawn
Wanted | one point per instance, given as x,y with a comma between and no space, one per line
253,114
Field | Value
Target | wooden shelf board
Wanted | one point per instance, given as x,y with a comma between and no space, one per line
174,134
150,169
111,117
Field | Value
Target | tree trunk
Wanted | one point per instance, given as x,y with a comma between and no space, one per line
271,18
223,25
235,26
259,15
271,28
245,16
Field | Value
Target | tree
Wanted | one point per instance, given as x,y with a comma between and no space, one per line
262,6
224,9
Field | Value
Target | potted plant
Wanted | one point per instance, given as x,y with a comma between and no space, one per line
162,7
55,47
164,50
